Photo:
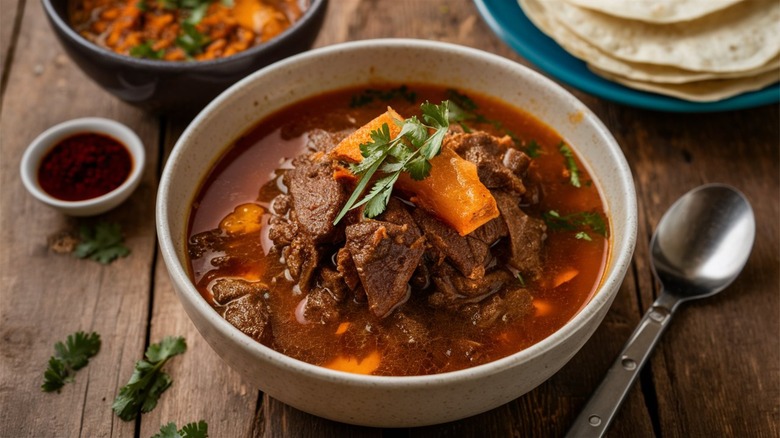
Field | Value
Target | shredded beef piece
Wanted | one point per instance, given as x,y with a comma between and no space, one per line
203,242
249,314
526,236
225,290
467,253
385,255
486,151
321,307
493,230
453,289
346,268
302,258
332,280
316,198
505,306
281,232
281,204
517,161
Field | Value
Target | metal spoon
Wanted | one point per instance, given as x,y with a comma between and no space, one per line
701,245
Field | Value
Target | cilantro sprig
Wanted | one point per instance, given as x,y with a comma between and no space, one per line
464,109
103,243
148,381
190,430
571,164
410,151
579,222
69,357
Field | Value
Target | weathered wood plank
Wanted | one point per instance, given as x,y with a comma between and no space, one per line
204,388
47,296
11,10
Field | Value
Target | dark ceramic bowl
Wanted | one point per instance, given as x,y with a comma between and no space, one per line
164,86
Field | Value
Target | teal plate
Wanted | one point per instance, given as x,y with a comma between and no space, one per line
508,21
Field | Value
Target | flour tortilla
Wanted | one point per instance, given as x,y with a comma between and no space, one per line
743,37
703,91
656,11
536,12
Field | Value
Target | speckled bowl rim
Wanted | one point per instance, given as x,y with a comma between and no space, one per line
620,256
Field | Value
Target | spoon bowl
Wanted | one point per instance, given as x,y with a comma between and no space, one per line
703,241
700,246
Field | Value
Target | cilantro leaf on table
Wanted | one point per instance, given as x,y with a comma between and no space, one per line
410,152
148,382
69,357
103,243
190,430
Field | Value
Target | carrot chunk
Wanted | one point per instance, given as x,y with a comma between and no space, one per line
452,191
367,365
349,148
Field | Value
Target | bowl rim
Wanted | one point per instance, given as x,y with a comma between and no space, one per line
45,141
310,15
620,257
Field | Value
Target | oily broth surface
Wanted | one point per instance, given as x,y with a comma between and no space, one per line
250,171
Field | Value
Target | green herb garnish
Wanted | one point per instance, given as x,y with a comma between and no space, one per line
191,40
69,357
148,382
520,279
571,164
577,222
146,50
463,109
410,151
533,149
190,430
370,95
102,243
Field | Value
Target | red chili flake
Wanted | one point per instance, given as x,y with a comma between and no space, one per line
84,166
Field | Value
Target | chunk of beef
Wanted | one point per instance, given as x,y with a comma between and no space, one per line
281,204
493,230
503,307
397,213
385,256
486,151
346,268
526,236
467,253
204,242
454,290
321,307
302,258
316,198
250,315
332,281
282,232
517,161
225,290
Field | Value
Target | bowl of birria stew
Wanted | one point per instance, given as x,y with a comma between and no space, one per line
396,246
175,56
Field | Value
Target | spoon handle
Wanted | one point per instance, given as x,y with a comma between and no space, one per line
601,408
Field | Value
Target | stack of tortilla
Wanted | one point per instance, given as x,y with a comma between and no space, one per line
697,50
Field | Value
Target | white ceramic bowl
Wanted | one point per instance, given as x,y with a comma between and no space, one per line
374,400
88,207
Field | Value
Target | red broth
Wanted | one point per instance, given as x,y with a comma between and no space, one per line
249,173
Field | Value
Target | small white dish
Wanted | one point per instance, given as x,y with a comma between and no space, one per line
31,160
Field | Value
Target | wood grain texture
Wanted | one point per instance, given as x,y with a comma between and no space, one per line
716,371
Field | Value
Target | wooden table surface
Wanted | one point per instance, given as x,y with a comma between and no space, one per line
716,372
